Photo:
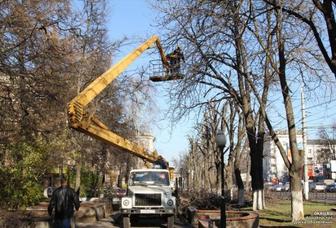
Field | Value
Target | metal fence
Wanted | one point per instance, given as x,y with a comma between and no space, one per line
327,197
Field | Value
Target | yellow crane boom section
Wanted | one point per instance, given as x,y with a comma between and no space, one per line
87,123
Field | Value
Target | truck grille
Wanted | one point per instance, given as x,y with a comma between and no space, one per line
147,199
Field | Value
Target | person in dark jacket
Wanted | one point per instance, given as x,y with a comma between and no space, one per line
161,162
63,201
174,60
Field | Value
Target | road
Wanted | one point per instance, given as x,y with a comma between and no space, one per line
115,221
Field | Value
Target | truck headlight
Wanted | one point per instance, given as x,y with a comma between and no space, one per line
126,202
170,202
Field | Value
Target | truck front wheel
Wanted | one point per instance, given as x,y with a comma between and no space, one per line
126,222
170,221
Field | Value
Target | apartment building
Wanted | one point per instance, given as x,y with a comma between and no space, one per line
274,167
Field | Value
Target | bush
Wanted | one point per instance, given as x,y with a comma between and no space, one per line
22,177
18,190
90,183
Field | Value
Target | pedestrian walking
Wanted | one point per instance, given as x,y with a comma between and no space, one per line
63,202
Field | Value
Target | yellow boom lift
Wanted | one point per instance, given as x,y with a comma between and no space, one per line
80,119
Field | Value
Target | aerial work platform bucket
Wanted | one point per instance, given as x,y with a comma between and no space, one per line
159,72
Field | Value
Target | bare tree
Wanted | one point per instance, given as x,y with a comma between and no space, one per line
319,17
296,165
328,140
222,65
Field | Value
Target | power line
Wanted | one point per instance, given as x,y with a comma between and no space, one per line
327,102
330,126
324,117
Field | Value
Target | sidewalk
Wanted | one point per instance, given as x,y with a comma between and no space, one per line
93,213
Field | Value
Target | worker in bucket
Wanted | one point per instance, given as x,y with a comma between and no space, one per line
174,59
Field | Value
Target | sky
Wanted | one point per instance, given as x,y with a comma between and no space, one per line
134,19
319,106
131,18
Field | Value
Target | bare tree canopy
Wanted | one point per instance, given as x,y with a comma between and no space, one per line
239,51
319,17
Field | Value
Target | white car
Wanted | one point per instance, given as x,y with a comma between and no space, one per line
320,187
286,187
278,187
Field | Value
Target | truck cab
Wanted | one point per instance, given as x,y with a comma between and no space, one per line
149,194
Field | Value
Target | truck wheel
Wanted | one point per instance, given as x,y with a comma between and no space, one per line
126,222
170,221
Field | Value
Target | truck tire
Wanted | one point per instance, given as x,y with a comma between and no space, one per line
170,221
126,222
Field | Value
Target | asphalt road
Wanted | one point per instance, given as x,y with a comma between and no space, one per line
149,222
115,221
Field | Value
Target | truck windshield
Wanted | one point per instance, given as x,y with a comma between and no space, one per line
149,178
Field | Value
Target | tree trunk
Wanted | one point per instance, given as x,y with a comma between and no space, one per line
212,180
258,198
248,182
240,184
229,179
296,198
256,149
295,169
257,178
78,173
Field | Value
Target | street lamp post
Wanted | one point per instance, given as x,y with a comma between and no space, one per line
221,141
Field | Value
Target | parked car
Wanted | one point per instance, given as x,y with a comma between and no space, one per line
312,186
272,188
331,188
268,185
278,187
286,187
319,187
115,194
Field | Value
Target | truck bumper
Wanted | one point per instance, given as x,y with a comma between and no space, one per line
148,211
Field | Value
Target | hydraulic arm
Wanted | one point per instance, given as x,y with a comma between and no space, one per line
87,123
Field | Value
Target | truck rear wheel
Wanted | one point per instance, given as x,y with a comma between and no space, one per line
126,222
170,221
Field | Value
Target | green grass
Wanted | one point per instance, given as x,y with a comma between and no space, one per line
278,213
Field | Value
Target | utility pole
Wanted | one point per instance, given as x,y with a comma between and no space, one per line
304,144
